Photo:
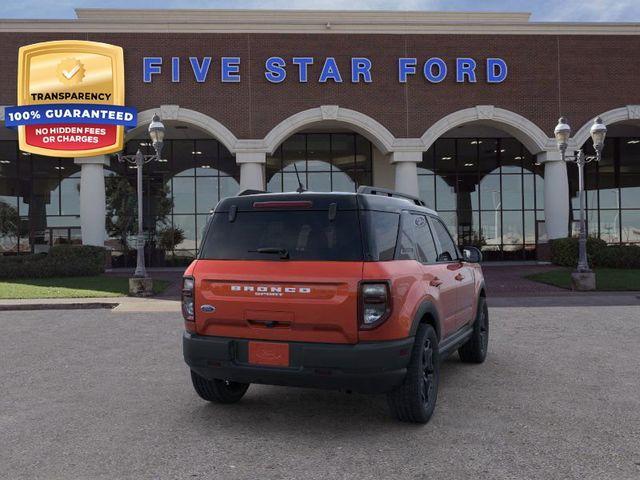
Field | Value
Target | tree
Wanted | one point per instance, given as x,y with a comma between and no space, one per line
9,221
122,208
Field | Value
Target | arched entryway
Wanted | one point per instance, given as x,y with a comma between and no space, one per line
481,173
612,185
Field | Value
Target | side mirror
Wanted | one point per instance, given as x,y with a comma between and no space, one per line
471,254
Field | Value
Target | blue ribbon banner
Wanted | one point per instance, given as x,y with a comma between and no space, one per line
70,113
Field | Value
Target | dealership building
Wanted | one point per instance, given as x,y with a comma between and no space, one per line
456,108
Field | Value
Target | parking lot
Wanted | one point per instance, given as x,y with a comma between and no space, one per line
98,394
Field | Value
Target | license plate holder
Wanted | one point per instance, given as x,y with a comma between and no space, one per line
272,354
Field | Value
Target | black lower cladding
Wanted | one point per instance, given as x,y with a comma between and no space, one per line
369,367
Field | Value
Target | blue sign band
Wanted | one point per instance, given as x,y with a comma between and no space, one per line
70,113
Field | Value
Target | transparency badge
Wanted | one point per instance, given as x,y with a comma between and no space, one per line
70,99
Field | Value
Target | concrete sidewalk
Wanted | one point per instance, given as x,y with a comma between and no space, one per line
118,304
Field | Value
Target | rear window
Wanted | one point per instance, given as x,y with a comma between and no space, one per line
304,235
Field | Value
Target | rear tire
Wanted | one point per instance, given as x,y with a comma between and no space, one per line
475,350
218,391
415,400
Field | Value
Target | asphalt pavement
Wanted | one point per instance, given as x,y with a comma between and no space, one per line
104,394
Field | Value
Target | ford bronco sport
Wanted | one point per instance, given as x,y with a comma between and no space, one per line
362,292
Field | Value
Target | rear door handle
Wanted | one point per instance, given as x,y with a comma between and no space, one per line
459,277
436,282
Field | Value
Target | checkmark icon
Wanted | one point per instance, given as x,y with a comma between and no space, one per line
71,73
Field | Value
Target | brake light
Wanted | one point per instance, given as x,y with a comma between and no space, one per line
284,204
375,304
188,309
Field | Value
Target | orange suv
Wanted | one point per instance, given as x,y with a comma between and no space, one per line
363,292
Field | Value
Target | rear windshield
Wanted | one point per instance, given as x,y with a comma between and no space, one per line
296,235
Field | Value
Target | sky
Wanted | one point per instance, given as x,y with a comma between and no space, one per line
542,10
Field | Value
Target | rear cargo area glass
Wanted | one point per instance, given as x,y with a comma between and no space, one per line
305,235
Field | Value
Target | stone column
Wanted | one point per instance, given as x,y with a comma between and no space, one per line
251,170
406,172
92,199
556,194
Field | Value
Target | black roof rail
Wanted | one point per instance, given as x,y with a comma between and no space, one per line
249,191
390,193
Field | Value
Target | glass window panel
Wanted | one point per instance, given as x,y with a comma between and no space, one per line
445,156
467,154
273,163
539,192
343,150
319,152
60,236
512,229
182,163
274,183
491,225
68,221
445,194
341,182
68,167
468,227
631,226
467,192
227,164
630,190
490,198
10,223
290,181
426,166
362,177
610,226
294,150
207,194
488,156
363,153
44,166
629,155
45,196
319,182
206,153
606,184
530,227
187,223
183,195
70,196
427,190
229,187
512,192
8,159
511,156
528,191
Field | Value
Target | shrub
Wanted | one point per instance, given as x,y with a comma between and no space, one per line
61,261
564,252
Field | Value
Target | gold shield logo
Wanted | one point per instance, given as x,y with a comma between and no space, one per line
78,74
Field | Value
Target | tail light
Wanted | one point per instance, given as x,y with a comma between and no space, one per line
375,304
188,284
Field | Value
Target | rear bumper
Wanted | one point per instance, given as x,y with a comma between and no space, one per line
371,367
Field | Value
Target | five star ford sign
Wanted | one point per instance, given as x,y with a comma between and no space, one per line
71,99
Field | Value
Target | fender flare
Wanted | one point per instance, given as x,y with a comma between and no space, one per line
426,307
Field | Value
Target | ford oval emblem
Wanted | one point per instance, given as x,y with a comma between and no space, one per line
208,308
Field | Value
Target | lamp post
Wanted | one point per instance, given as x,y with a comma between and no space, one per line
156,133
583,278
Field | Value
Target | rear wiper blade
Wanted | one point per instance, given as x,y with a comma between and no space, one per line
283,252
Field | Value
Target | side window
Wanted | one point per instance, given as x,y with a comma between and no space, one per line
449,251
424,240
415,240
382,234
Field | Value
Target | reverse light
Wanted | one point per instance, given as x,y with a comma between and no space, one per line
188,309
375,304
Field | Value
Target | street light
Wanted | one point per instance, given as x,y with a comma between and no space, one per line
562,133
156,133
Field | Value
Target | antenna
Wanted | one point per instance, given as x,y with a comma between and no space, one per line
300,188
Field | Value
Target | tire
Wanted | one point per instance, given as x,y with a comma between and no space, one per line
415,400
475,349
218,391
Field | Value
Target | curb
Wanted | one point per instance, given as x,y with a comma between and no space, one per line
57,306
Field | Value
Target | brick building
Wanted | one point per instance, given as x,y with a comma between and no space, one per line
458,108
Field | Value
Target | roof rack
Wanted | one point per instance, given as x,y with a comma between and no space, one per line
390,193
